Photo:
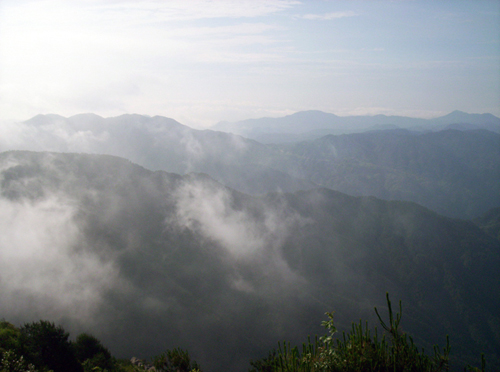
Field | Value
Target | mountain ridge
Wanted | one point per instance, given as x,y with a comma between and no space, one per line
435,169
304,124
167,260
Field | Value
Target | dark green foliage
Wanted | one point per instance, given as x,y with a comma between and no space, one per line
359,350
268,364
475,369
90,351
11,362
47,346
9,336
125,365
175,360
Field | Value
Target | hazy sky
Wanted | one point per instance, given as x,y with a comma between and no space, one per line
203,61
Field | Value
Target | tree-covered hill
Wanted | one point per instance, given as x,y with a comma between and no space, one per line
452,172
455,173
158,143
490,222
148,261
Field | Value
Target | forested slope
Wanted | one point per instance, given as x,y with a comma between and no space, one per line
455,173
151,260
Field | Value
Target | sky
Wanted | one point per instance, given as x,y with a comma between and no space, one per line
201,62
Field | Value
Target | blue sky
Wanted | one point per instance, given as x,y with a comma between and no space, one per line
200,61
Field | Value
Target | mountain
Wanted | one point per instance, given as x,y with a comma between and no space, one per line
452,172
158,143
460,117
489,222
153,260
455,173
309,125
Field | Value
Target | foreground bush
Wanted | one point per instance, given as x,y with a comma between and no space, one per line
358,350
10,362
91,353
42,346
47,346
176,360
9,336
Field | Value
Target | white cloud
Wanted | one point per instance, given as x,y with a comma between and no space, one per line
181,10
252,234
72,57
152,57
211,211
328,16
41,263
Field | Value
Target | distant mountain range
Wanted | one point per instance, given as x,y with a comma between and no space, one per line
159,143
308,125
454,172
153,260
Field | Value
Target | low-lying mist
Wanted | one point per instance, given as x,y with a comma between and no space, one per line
153,260
451,171
46,268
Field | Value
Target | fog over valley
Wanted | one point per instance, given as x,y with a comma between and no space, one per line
164,254
437,163
249,185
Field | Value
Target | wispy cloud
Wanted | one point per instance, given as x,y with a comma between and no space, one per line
118,56
328,16
42,264
161,11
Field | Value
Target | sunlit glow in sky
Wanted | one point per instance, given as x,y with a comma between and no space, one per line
203,61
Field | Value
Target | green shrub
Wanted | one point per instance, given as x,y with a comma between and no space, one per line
358,350
91,353
176,360
9,336
11,362
47,346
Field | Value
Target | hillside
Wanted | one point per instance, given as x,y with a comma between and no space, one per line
452,172
158,143
490,222
153,260
455,173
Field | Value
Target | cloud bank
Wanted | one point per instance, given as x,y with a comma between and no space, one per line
216,214
45,268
